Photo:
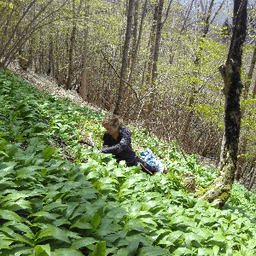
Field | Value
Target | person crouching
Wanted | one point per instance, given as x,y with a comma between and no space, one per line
117,141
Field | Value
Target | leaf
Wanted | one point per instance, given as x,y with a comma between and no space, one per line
97,185
46,215
20,250
7,168
10,215
66,252
100,249
118,172
14,196
216,249
218,237
53,233
6,182
39,127
29,160
47,153
190,237
28,172
96,220
21,227
111,228
93,174
149,222
132,247
11,153
135,224
123,252
3,153
4,244
205,252
42,250
117,213
174,236
111,238
81,224
153,251
182,222
205,233
83,242
55,205
183,251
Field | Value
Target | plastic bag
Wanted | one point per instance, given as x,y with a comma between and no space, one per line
150,159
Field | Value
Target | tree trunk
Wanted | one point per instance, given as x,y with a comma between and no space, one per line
220,189
135,52
70,58
50,60
151,45
134,31
83,84
117,109
152,67
158,39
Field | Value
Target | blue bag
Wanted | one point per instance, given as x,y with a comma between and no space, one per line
150,159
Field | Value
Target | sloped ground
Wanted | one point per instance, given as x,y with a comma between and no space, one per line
51,206
46,84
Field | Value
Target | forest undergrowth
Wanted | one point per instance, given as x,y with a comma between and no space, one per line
61,197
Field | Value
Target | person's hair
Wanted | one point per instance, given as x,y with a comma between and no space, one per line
112,120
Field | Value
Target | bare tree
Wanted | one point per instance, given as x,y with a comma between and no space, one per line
121,88
83,83
159,26
72,44
21,22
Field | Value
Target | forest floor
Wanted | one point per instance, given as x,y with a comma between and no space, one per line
52,195
46,83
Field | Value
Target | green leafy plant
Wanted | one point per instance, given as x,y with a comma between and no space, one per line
52,203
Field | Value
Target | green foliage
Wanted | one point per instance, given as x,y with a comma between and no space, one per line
6,5
52,204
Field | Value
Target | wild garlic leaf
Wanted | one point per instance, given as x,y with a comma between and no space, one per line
45,216
17,205
7,168
83,242
100,249
42,250
181,251
10,215
205,251
19,250
135,224
66,252
52,233
153,251
47,153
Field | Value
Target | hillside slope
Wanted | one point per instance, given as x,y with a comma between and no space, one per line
68,199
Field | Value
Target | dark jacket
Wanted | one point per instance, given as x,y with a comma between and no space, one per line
121,147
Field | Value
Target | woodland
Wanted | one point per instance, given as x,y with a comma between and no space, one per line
182,73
